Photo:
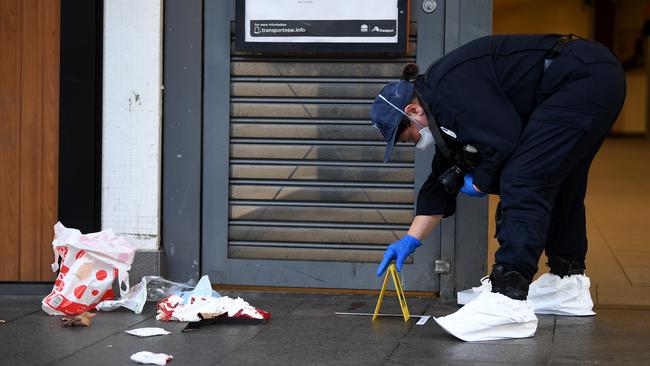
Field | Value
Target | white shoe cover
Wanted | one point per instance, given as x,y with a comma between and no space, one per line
468,295
491,316
550,294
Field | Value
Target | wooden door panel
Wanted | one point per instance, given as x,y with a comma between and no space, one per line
31,142
50,180
10,69
29,113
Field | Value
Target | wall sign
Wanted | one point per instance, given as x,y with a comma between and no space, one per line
322,25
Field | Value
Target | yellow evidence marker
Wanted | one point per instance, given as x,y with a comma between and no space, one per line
392,271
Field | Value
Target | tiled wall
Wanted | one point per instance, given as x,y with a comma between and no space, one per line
132,120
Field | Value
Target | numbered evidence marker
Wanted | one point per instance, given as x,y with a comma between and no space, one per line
392,272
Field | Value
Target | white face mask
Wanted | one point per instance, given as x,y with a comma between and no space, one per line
426,139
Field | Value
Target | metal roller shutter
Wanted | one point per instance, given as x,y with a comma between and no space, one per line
307,181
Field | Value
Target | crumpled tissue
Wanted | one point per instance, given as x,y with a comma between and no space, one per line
147,332
150,358
175,308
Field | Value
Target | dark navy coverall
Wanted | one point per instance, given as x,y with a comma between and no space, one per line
536,130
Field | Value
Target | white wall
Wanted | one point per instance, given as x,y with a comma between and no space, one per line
132,113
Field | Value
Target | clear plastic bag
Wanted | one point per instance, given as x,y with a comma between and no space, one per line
159,288
156,288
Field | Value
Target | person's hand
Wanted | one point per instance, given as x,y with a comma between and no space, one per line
469,188
398,251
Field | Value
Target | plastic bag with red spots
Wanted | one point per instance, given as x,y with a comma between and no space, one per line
90,263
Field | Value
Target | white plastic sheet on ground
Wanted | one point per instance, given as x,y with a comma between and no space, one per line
147,332
569,295
150,358
491,316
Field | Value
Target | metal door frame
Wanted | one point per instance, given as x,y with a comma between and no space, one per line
195,220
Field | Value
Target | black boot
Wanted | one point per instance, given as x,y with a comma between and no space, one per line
511,284
565,267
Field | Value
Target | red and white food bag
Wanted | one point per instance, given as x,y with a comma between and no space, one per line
89,265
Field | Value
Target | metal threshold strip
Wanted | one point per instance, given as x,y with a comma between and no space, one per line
320,80
320,184
379,206
354,59
269,244
301,121
343,163
290,100
317,225
236,140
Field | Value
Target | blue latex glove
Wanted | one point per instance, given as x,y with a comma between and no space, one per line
468,187
398,251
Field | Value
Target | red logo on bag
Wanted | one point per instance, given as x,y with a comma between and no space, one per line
79,291
101,275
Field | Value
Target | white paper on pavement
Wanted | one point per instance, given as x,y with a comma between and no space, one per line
150,358
147,332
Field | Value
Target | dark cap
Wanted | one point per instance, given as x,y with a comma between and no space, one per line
386,117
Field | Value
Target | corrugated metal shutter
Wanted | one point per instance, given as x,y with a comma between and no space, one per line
307,181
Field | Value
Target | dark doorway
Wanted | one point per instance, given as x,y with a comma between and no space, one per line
80,128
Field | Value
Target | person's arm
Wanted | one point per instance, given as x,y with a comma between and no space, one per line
432,199
432,205
422,225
